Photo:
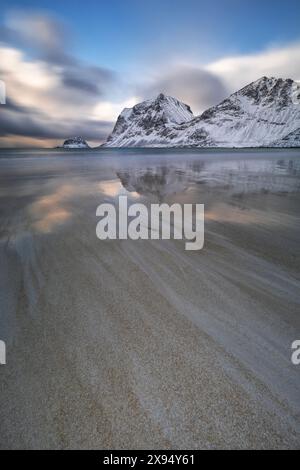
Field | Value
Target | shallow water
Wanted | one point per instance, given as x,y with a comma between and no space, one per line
141,344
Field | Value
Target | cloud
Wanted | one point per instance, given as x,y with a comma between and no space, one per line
110,111
190,84
44,32
92,80
202,86
48,97
41,104
237,71
29,123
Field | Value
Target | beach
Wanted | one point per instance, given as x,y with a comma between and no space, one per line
140,344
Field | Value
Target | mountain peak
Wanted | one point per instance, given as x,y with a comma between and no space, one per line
149,122
270,80
161,97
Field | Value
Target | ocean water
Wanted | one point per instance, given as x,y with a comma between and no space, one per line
126,344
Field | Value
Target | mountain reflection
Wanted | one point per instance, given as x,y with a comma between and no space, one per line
158,181
232,177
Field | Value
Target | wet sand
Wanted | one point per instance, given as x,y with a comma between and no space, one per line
141,344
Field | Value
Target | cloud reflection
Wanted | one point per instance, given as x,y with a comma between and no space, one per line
48,211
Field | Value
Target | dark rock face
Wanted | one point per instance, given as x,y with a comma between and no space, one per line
269,90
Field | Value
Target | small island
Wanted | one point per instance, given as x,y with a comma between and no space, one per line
75,143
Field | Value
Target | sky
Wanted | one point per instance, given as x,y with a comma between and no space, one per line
70,67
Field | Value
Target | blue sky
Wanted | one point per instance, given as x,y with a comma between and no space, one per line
116,32
104,55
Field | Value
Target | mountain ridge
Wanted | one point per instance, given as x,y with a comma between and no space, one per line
260,114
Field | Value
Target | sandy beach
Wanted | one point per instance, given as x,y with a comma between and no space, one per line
128,344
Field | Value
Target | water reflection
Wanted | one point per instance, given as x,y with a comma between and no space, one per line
49,211
114,188
43,194
232,177
288,167
157,181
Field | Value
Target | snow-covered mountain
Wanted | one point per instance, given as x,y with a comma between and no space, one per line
260,114
75,143
151,123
